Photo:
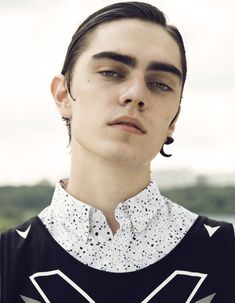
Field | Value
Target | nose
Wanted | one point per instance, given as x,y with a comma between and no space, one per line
134,94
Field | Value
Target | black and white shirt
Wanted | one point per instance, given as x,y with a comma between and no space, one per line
150,227
161,253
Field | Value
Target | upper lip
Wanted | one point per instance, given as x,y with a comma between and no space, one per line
130,120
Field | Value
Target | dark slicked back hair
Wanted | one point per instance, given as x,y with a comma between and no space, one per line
122,10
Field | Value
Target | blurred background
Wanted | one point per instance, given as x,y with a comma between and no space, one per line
34,156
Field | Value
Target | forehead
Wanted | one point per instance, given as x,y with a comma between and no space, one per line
144,40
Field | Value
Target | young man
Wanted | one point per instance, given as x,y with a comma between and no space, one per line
109,235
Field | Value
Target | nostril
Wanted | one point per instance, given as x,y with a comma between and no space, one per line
128,100
141,103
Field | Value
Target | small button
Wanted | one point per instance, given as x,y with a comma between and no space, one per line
83,229
138,226
115,260
97,216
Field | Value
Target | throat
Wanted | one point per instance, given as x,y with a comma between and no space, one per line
114,226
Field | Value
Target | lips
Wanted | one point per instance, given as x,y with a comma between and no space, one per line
129,121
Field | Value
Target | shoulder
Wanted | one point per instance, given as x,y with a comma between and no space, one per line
20,243
13,238
211,226
214,235
222,226
19,227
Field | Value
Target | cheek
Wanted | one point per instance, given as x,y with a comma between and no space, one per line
170,115
162,121
87,116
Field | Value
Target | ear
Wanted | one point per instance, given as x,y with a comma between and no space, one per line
171,128
61,96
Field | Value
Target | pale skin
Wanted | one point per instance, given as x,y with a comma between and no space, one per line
109,164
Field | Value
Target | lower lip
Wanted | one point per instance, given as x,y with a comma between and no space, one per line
128,129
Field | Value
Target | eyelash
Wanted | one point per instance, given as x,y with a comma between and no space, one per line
162,86
105,74
115,75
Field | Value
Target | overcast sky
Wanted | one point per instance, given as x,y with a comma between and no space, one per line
34,38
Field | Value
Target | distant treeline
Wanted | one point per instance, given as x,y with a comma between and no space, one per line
17,204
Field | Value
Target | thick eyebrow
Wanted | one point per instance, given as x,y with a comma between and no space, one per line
128,60
132,62
165,67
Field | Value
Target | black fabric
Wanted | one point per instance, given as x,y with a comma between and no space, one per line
199,267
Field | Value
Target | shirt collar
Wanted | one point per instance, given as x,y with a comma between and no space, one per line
137,210
142,207
69,210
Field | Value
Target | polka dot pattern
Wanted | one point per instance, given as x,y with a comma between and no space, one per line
150,227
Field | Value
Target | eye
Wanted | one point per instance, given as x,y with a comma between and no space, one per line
111,74
160,86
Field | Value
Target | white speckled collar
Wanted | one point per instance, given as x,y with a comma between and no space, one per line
137,210
142,207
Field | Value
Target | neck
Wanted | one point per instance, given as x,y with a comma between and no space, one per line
103,184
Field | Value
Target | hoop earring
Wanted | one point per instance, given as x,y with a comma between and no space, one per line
168,141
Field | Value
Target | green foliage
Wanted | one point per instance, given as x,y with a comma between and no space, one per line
205,199
18,204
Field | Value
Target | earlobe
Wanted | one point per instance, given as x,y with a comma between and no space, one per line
60,95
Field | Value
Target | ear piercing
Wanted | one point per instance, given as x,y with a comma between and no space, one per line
168,141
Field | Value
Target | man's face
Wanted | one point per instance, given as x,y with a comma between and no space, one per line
145,85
